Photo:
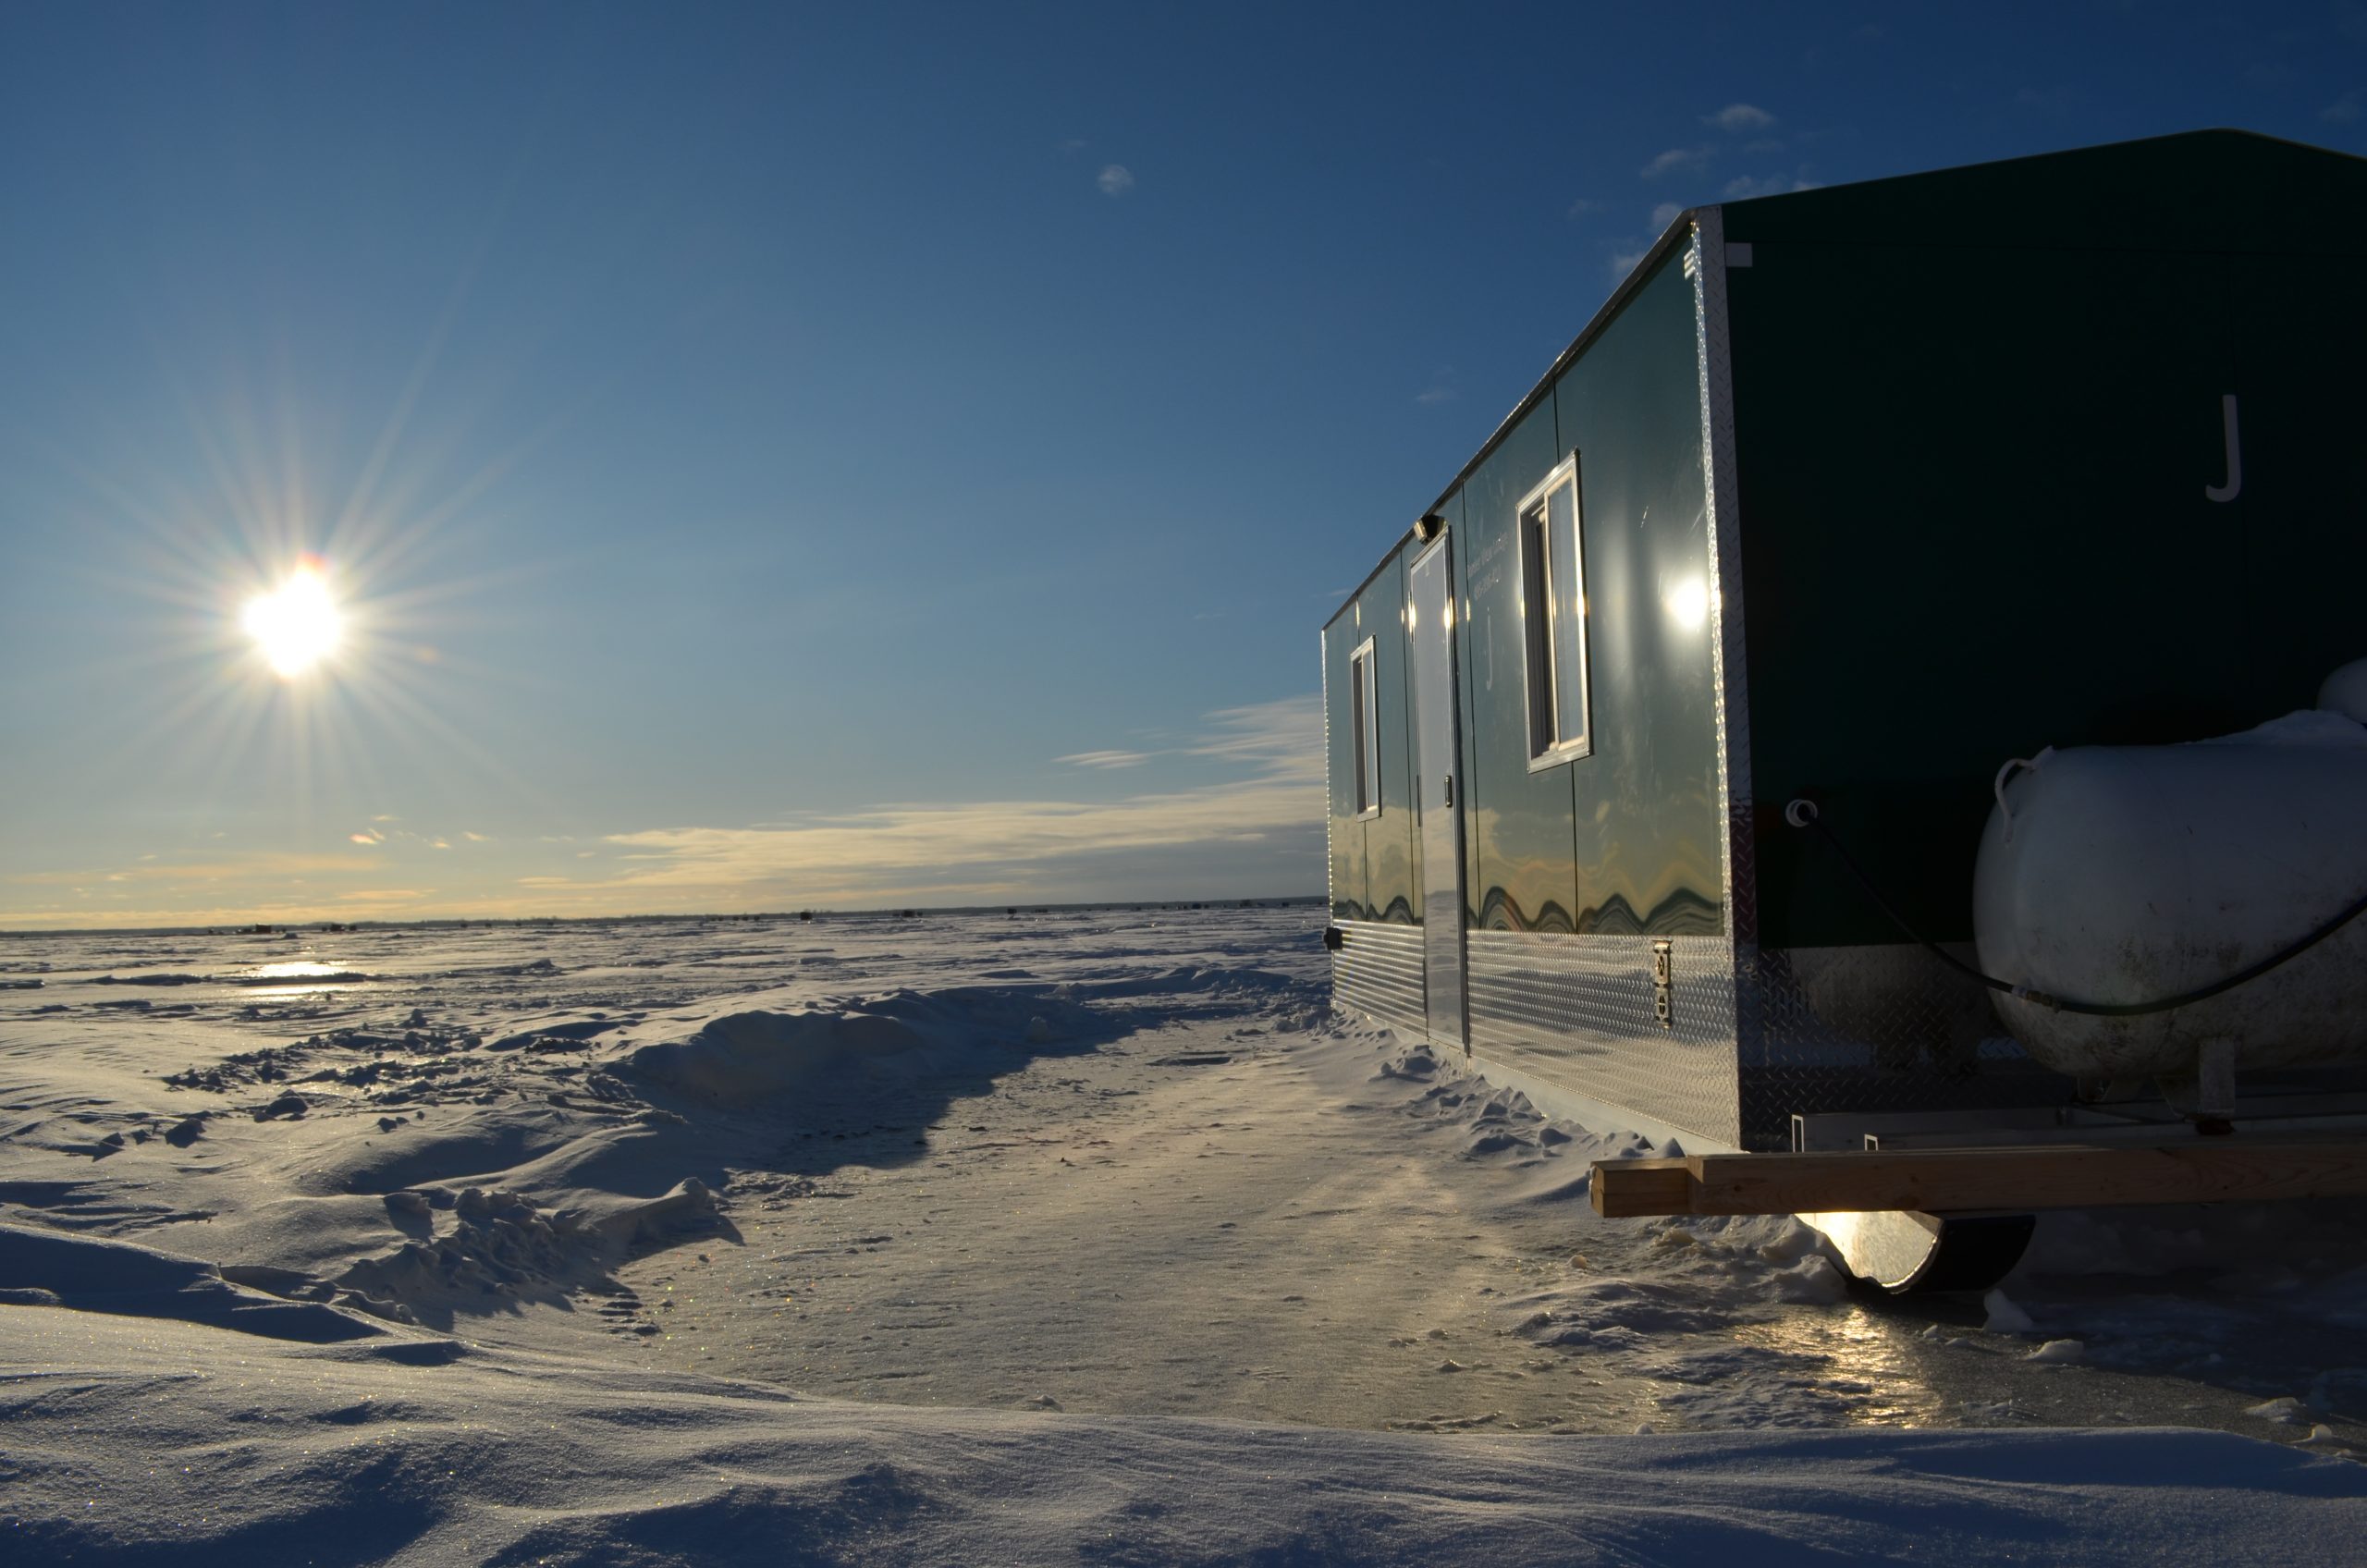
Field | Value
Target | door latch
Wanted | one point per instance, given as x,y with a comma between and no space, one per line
1450,790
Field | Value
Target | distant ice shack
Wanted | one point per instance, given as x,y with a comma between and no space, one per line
1847,496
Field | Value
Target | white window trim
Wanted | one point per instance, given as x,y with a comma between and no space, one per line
1363,696
1560,751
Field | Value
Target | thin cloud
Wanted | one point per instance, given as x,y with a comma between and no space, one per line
2342,111
1106,759
1115,180
1677,158
995,848
1666,214
1582,207
372,837
1737,118
1258,821
165,873
1282,740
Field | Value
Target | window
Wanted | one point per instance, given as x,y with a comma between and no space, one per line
1554,618
1363,728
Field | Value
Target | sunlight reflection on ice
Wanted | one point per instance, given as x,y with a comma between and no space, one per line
306,976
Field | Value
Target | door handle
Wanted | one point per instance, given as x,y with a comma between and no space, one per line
1450,790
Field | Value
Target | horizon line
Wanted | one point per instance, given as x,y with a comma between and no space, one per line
889,912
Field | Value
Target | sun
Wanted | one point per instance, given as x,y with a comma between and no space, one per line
297,623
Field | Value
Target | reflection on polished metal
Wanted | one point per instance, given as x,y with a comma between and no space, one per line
1378,971
1430,596
1581,1012
1902,1250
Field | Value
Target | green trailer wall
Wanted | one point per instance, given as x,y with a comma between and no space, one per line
1975,415
1625,841
1376,860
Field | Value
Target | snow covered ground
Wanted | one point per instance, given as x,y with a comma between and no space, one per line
1083,1235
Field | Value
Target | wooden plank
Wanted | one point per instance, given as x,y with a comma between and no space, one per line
1631,1189
2194,1170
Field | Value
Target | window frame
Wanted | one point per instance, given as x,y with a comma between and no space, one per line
1543,680
1363,730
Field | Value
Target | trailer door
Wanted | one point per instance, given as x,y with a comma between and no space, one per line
1437,794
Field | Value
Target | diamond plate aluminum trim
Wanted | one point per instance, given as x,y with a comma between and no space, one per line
1577,1011
1378,972
1875,1028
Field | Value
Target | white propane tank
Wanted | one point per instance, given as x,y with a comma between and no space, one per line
2131,874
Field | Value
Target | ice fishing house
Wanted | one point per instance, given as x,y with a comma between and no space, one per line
1845,496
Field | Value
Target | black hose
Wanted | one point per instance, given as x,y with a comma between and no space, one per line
1803,814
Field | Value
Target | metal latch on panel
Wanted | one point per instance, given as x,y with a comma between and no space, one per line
1663,1001
1448,800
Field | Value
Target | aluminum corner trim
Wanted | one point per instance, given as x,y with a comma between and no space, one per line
1730,665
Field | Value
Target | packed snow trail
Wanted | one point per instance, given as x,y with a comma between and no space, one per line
1123,1162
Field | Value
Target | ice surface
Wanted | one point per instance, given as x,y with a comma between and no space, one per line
1086,1235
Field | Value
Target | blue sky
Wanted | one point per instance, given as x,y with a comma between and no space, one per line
846,456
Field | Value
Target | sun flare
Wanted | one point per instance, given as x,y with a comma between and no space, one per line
297,623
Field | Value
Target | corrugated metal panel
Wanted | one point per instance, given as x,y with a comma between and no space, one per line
1578,1013
1378,972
